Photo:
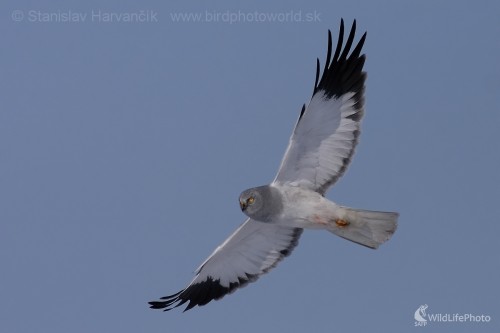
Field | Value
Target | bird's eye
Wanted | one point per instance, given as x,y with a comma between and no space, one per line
250,200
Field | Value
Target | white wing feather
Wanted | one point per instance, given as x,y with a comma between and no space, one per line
322,143
252,250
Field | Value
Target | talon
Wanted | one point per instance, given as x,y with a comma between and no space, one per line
341,223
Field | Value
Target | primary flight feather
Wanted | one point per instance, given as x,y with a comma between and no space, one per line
320,149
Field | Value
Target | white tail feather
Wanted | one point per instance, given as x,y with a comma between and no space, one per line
365,227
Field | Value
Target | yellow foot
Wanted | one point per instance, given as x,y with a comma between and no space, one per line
341,223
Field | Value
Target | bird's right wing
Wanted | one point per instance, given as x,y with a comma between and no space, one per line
252,250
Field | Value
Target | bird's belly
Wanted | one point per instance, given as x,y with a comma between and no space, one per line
307,210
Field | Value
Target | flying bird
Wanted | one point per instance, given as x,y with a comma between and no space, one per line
320,149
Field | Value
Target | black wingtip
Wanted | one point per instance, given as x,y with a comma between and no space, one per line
198,294
329,52
167,302
344,71
156,305
349,42
317,73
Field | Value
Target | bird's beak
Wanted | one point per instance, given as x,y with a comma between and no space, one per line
243,205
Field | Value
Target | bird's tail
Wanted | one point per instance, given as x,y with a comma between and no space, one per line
365,227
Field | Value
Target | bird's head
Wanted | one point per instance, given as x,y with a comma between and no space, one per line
261,203
248,198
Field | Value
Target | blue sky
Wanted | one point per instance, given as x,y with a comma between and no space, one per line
124,147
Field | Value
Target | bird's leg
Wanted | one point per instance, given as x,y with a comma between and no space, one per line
341,223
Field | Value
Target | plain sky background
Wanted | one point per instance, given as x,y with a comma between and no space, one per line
124,147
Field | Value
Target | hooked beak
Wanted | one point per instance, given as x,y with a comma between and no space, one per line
243,205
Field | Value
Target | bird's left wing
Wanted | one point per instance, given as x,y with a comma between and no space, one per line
327,131
252,250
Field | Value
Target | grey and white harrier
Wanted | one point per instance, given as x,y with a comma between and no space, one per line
320,149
